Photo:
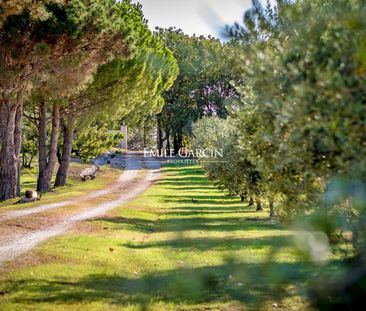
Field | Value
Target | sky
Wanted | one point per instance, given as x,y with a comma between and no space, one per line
202,17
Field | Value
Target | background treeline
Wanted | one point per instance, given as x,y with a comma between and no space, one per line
67,66
203,88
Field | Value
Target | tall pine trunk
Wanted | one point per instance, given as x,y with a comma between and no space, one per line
42,146
144,134
52,158
47,160
68,131
159,137
167,137
18,138
10,144
180,140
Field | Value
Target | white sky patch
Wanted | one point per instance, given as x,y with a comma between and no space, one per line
200,17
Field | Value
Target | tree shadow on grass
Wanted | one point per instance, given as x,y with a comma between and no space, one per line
200,199
252,283
232,208
185,181
217,244
185,170
212,202
184,188
227,224
209,211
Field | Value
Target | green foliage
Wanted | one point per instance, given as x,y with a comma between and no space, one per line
95,140
301,119
142,134
211,132
36,8
298,135
301,124
75,38
130,89
29,149
232,172
203,86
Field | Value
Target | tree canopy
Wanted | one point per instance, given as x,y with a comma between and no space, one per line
55,60
203,86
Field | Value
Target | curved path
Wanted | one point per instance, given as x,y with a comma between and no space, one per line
131,167
134,180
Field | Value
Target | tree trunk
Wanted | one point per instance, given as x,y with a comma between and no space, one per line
47,164
144,133
66,155
10,142
242,198
59,155
159,137
271,208
176,143
167,137
251,201
42,146
180,140
52,158
259,204
29,164
18,142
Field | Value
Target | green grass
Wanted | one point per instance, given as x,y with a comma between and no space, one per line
74,187
164,252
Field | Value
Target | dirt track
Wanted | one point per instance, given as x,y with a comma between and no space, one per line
21,230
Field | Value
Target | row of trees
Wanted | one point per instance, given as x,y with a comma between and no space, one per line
296,136
300,118
65,64
232,173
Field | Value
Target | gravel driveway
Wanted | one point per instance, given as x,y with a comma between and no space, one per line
138,175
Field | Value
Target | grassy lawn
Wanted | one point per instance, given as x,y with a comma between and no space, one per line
74,188
163,251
